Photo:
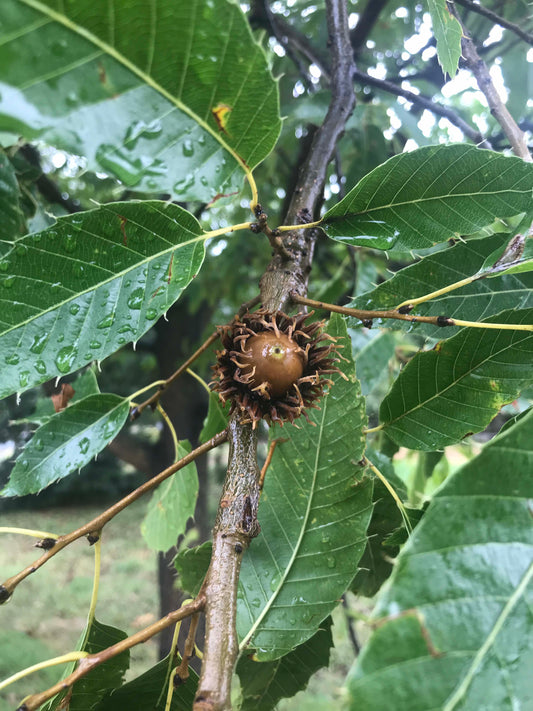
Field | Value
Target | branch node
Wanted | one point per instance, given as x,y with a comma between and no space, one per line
46,543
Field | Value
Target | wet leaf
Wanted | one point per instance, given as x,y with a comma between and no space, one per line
66,442
313,513
89,284
418,199
455,620
457,388
135,90
11,217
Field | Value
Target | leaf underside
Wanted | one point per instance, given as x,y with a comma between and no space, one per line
110,674
457,388
313,513
448,33
171,506
473,302
456,618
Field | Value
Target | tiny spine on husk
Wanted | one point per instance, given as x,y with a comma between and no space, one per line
272,366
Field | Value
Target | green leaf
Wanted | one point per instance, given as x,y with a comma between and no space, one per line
133,89
191,565
313,513
263,684
149,691
418,199
217,418
94,281
456,624
373,351
66,442
474,302
84,385
376,562
11,218
171,506
109,675
448,33
457,388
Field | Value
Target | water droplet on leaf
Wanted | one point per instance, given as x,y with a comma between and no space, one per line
188,148
136,298
65,359
70,243
107,321
8,281
40,367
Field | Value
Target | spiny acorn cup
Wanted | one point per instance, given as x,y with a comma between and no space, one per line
273,365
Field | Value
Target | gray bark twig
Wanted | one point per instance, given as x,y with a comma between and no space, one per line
497,19
479,69
284,276
235,526
427,103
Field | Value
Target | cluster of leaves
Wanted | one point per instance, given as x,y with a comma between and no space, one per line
189,121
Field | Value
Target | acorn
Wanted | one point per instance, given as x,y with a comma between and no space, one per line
272,366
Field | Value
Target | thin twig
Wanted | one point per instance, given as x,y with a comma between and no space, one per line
479,69
188,651
268,459
497,19
442,321
153,399
94,527
425,102
349,623
91,661
367,19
